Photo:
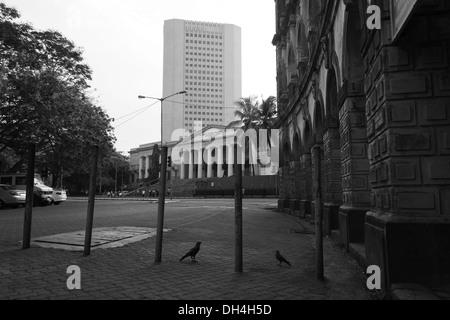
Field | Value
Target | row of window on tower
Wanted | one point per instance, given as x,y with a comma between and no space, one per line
204,36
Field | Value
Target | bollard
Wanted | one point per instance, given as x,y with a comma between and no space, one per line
90,212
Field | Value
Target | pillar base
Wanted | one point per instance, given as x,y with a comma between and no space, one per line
305,208
284,204
330,218
294,207
407,248
351,225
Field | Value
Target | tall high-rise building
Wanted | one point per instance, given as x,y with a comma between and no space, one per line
203,58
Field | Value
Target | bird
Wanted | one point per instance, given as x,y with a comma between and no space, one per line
281,258
193,252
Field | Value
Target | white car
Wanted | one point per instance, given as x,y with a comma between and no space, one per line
9,196
58,196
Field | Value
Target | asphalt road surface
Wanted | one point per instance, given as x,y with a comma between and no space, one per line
71,216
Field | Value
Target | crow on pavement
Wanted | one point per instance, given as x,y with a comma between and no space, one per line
193,252
281,258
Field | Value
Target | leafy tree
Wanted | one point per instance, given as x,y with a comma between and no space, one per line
44,99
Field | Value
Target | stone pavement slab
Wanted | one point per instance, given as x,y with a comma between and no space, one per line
129,272
102,238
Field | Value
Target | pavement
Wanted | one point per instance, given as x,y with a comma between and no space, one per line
129,272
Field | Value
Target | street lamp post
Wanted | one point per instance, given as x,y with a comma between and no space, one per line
162,182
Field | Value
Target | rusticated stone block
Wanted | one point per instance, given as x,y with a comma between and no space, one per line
401,114
442,83
419,200
380,88
436,170
359,183
407,85
411,142
380,120
376,69
431,57
379,148
435,112
443,140
359,151
370,129
397,59
405,171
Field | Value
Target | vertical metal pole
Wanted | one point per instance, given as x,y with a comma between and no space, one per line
319,211
29,200
161,204
100,188
116,180
90,212
171,182
62,176
239,267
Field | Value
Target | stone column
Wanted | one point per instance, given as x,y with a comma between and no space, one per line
408,128
191,164
182,166
147,166
220,158
209,164
230,161
200,164
141,168
355,170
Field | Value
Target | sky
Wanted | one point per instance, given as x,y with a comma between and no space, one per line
123,44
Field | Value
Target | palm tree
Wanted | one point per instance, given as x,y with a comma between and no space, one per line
267,113
247,112
255,116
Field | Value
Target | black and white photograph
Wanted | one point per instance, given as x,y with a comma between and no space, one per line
225,158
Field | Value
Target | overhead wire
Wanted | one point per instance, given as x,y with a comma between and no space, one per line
141,111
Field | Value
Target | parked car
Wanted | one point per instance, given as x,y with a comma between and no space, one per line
59,196
11,197
42,193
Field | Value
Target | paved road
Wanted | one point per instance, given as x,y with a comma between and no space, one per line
71,216
130,273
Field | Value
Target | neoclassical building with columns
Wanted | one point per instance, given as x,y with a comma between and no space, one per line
373,105
209,153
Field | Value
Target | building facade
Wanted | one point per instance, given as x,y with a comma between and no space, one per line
209,153
141,160
365,128
205,59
